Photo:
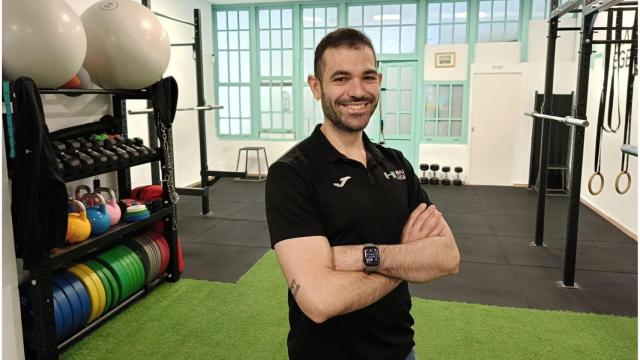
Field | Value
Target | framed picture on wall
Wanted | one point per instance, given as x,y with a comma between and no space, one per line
445,59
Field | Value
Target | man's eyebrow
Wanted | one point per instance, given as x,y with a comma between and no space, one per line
340,73
371,72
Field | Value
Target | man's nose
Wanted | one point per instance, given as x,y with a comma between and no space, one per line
356,88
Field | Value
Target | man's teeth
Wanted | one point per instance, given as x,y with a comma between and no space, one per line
354,106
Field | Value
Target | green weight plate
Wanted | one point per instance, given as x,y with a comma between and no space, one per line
132,270
119,272
138,264
127,269
125,253
115,290
98,269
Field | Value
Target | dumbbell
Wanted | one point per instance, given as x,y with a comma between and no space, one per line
424,179
138,141
87,145
100,161
123,156
434,179
142,150
445,179
457,181
134,155
71,164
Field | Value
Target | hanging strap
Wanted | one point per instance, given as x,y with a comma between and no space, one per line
633,57
615,76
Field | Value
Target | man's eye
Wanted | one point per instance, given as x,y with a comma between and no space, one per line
340,79
370,78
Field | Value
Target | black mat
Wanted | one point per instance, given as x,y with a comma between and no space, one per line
493,225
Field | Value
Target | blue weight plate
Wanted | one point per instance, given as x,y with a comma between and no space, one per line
67,313
137,217
57,311
82,294
74,301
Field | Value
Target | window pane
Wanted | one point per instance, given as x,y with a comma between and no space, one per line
460,33
276,121
511,31
221,17
235,126
264,39
391,15
456,128
319,35
461,12
287,95
265,63
538,9
355,15
319,17
434,14
433,35
264,19
497,31
222,40
224,126
307,38
406,76
390,40
276,39
233,40
484,32
499,9
276,63
233,20
244,40
443,128
513,10
223,67
374,34
234,66
245,110
332,16
246,126
308,64
265,99
392,101
406,100
286,18
408,39
307,18
276,99
447,13
275,19
409,14
287,39
391,77
446,34
234,101
405,124
287,63
430,128
372,15
391,123
430,102
245,67
223,99
243,20
443,101
456,101
266,121
485,11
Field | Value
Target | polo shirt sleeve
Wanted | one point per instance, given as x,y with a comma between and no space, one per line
290,206
417,195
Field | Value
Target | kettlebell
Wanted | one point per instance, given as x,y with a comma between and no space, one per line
112,205
87,190
97,214
78,225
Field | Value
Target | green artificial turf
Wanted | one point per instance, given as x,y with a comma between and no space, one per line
194,319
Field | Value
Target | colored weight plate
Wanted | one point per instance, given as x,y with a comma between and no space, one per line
91,289
138,248
136,208
126,264
124,276
57,312
74,301
105,284
157,258
137,216
109,282
124,252
82,293
67,313
164,249
137,263
153,260
118,271
102,295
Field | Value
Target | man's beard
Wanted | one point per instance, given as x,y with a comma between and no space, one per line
331,113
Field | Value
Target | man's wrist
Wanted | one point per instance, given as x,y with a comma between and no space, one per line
370,257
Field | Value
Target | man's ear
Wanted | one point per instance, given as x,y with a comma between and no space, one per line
380,79
314,85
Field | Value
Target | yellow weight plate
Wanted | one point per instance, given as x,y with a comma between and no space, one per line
91,289
99,285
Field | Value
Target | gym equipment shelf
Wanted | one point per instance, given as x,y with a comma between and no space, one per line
60,257
39,323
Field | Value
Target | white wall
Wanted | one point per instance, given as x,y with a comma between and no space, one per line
457,72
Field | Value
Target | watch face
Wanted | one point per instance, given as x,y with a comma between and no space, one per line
371,256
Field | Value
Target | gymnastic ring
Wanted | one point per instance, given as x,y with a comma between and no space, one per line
624,191
593,176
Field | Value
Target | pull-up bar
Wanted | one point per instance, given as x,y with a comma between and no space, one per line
174,19
567,119
206,107
629,149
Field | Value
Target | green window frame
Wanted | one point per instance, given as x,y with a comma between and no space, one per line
392,27
447,22
445,112
317,21
498,20
233,72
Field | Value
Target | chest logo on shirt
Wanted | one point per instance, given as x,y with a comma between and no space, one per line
395,174
342,182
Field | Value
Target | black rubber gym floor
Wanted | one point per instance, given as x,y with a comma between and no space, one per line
493,227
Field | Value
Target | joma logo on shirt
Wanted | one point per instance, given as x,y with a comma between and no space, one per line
396,174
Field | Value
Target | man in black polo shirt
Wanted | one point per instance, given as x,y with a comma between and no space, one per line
349,221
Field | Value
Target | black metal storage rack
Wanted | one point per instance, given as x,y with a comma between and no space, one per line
40,340
589,10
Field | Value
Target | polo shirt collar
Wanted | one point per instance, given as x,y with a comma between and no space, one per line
333,154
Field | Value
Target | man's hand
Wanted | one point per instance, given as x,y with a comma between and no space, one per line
423,222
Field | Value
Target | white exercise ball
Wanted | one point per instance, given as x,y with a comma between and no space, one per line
127,47
85,78
41,39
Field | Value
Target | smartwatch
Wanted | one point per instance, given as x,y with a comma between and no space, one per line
370,257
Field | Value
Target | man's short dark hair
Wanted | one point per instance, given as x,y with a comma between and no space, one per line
348,37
